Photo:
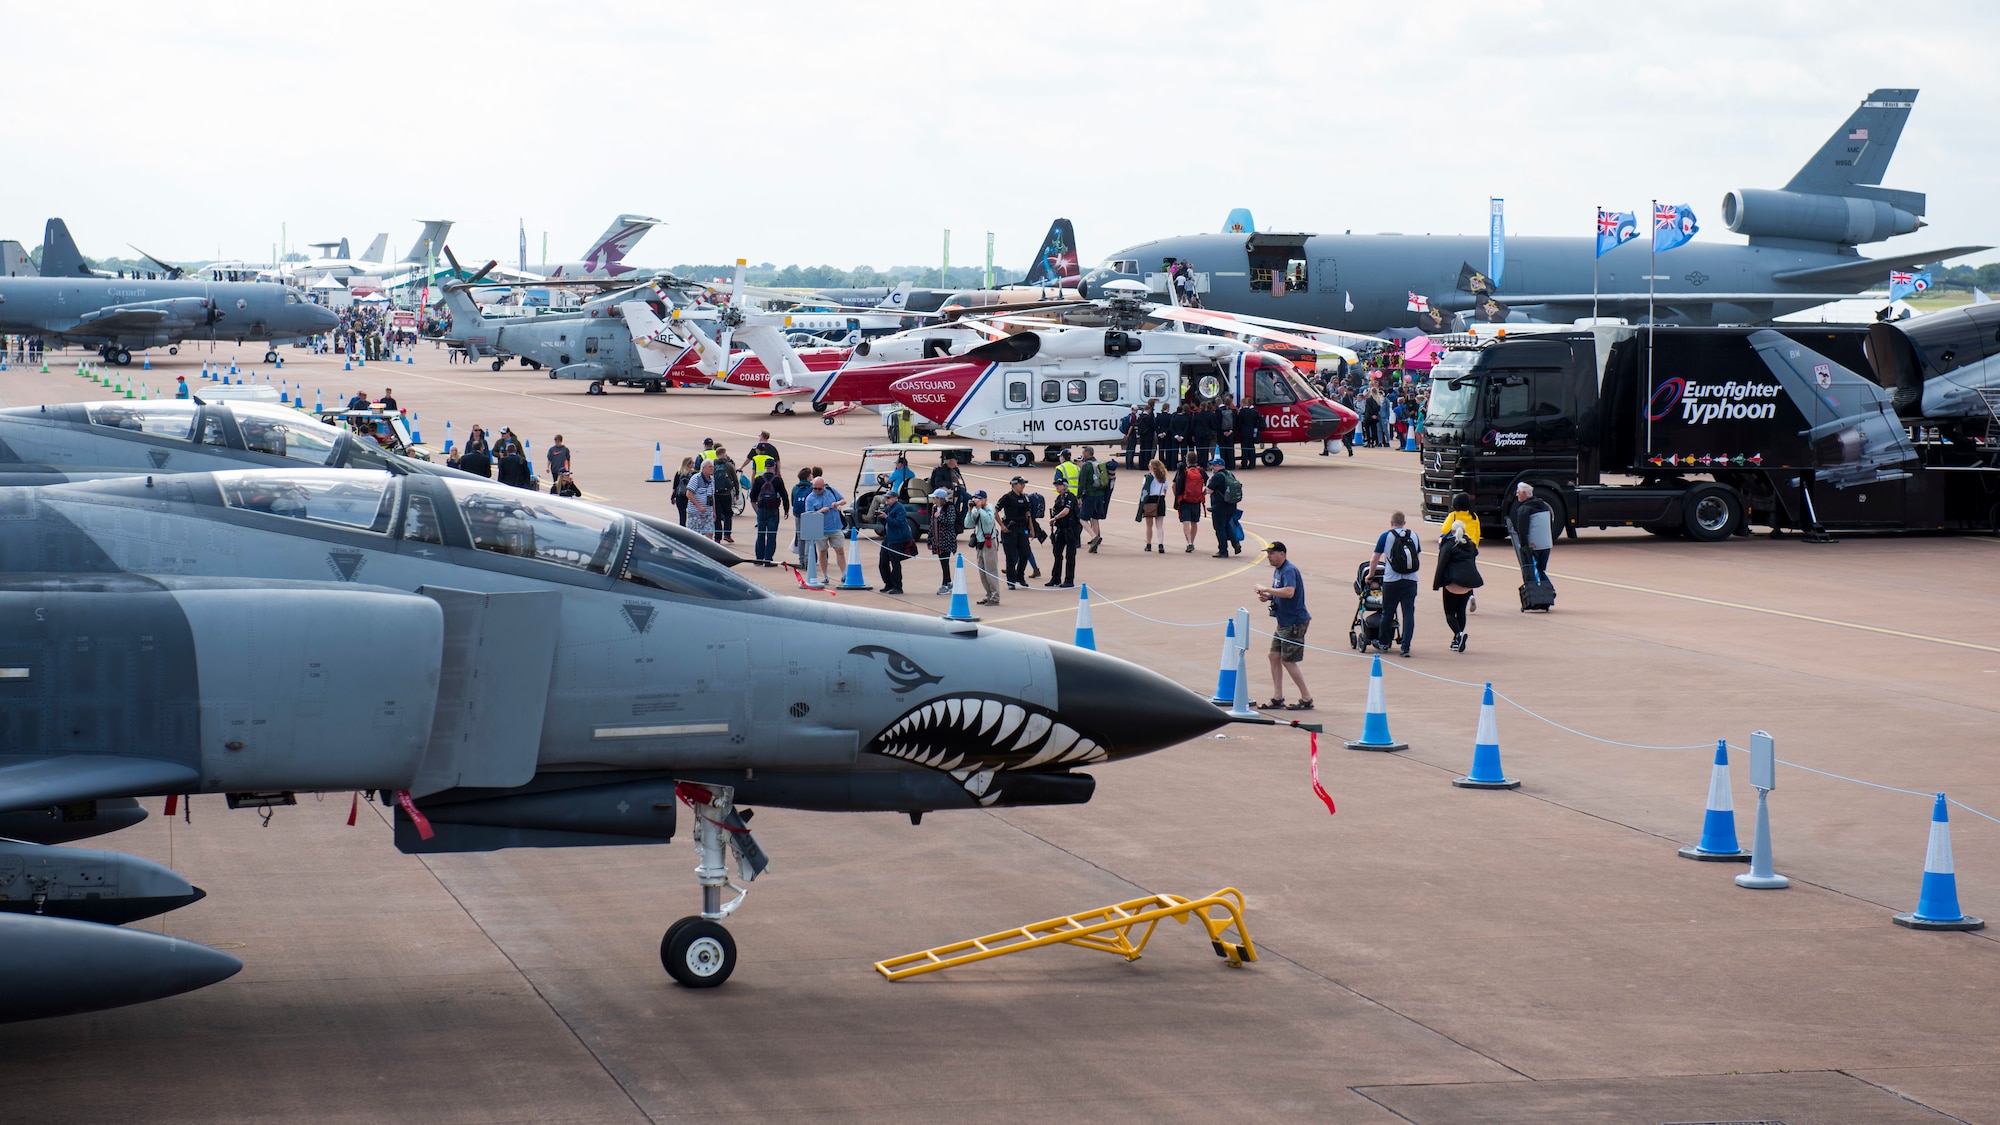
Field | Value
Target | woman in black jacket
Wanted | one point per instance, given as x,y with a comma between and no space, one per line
1457,575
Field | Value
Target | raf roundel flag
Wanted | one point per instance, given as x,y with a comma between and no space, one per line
1673,226
1902,284
1615,229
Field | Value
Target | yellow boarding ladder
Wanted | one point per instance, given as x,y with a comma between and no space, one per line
1108,928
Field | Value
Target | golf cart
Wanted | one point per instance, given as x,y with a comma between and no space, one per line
878,461
380,424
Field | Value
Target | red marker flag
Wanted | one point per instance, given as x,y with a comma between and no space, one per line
422,822
1317,787
354,810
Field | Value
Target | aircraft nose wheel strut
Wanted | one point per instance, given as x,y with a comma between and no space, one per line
697,951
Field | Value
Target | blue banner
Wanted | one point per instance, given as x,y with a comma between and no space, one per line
1496,242
1902,284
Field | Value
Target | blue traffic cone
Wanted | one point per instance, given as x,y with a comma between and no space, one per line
659,467
1225,674
281,363
410,358
1410,442
1718,824
348,366
1375,724
1086,636
1486,772
148,365
1937,903
232,365
853,579
961,602
285,391
447,435
416,433
318,403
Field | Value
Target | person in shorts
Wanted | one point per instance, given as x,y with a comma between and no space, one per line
1286,595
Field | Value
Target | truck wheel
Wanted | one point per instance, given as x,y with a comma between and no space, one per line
1711,513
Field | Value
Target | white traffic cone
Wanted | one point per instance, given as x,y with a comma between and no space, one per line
961,601
1486,772
1225,675
1375,724
1086,636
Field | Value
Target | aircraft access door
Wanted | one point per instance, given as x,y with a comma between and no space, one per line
1020,392
1278,263
493,688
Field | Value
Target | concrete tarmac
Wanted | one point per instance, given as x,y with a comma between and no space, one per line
1428,954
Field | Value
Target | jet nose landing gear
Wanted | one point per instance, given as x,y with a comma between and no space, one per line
697,951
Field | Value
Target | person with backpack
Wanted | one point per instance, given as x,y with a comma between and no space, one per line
1095,482
1190,485
899,542
773,501
1398,557
1225,492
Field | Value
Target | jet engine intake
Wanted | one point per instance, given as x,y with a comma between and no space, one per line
1764,213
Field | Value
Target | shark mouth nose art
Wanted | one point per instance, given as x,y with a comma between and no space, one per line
972,737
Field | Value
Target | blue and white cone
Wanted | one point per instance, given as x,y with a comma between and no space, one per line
1718,825
1225,676
1375,724
285,391
281,363
232,367
148,365
1486,772
319,404
853,579
1086,636
348,366
411,358
1937,903
416,434
659,467
447,435
961,602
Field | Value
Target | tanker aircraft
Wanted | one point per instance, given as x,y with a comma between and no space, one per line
120,314
196,633
1801,253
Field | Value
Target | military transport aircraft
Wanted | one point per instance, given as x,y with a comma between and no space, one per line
119,314
1801,253
199,633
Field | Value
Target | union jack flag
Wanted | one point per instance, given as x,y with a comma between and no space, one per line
1897,277
1419,304
1607,223
1664,215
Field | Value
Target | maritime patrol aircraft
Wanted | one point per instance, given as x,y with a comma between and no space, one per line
119,314
230,632
1801,252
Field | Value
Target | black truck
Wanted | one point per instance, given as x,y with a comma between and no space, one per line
1707,432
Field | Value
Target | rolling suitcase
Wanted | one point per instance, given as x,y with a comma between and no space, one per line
1536,593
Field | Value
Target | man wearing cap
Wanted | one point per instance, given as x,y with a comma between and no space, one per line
1016,519
1286,595
985,538
1224,493
180,386
1065,535
944,529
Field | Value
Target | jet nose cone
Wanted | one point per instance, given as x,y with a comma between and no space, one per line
324,318
1124,708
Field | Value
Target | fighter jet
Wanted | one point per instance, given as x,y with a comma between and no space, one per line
1802,252
118,314
232,632
116,438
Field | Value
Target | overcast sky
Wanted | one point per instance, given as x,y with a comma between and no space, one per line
855,134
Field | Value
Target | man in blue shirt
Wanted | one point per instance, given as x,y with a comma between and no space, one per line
1286,595
1398,558
823,497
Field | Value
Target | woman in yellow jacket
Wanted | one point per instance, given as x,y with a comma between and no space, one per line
1461,519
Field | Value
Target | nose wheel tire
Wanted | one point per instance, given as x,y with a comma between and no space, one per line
698,953
271,356
1272,457
595,388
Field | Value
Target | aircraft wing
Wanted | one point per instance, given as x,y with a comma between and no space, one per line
1870,270
118,319
87,777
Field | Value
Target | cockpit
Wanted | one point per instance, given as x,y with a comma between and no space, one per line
1112,269
556,536
248,426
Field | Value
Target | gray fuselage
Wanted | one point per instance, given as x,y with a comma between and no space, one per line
144,314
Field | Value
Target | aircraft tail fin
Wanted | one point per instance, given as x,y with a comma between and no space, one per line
1239,222
898,299
378,249
1056,262
617,240
14,260
60,257
1858,152
430,240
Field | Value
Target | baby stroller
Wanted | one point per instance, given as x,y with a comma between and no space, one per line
1366,629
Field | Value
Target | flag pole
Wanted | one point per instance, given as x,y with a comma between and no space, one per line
1652,321
1595,255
